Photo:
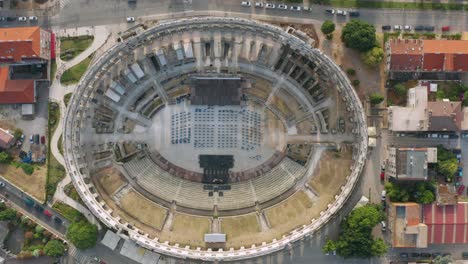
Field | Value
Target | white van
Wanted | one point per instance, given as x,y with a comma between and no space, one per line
384,195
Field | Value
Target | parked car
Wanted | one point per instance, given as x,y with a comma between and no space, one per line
130,19
404,255
429,28
415,255
384,195
446,28
436,254
382,176
39,208
245,3
33,18
354,14
386,27
425,255
282,6
2,184
407,27
29,202
36,139
31,139
397,27
341,12
295,8
258,4
22,19
58,220
2,18
269,5
43,140
47,213
11,19
384,226
419,28
330,11
465,255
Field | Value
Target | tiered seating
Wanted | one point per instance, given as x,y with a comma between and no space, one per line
240,196
274,182
295,169
192,195
154,179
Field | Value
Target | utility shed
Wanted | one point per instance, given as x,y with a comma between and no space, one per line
179,52
118,88
137,70
215,238
161,57
112,95
188,50
130,76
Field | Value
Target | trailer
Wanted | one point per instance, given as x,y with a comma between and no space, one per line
179,52
112,95
188,50
117,87
137,70
130,76
161,57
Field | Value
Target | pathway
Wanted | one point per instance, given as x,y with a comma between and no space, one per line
57,92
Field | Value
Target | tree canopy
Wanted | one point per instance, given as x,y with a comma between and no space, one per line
373,57
328,27
82,234
5,157
376,99
447,163
400,89
359,35
54,248
419,192
356,239
8,214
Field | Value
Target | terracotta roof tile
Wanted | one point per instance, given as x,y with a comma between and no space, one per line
15,91
16,43
433,62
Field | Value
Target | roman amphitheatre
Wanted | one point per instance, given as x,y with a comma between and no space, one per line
215,138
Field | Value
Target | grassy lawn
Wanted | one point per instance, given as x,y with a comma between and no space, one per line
240,229
70,47
68,212
66,98
60,144
110,179
187,230
73,75
33,184
55,170
143,209
70,190
400,5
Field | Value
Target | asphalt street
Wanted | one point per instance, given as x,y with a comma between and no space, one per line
78,13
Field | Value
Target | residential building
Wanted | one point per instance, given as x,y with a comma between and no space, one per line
405,226
410,163
24,60
420,115
409,59
6,139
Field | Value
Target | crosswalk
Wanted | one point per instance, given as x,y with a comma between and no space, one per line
79,257
64,3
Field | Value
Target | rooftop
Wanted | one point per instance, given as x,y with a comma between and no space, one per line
445,116
6,139
413,116
411,163
15,91
17,43
406,227
446,224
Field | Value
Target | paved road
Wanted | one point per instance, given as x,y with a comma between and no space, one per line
78,13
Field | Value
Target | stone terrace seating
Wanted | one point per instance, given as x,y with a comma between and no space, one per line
240,196
192,195
276,181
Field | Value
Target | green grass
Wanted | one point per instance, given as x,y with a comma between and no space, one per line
70,190
66,98
60,144
399,5
70,47
55,170
74,74
70,213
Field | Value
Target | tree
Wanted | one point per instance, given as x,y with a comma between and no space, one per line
82,234
376,99
356,239
54,248
465,98
328,27
426,197
351,71
355,82
36,253
5,157
27,168
329,246
400,89
358,35
373,57
28,235
8,214
18,133
448,167
443,259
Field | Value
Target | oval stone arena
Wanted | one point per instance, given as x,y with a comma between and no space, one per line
214,138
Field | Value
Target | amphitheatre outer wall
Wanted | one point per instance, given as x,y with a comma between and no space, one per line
79,173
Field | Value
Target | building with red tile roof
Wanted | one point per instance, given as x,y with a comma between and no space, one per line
24,44
446,224
6,139
426,59
16,91
405,226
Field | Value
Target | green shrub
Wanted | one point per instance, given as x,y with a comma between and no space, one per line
376,99
351,72
356,82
